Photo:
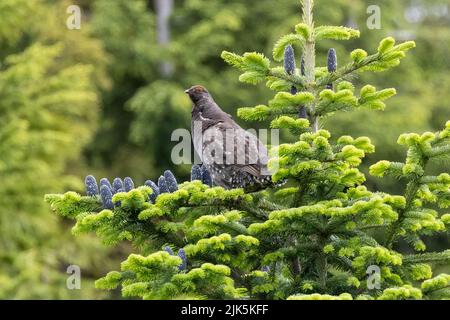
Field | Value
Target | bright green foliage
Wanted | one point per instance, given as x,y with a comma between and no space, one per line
316,296
157,277
283,103
388,56
148,225
422,191
312,237
438,287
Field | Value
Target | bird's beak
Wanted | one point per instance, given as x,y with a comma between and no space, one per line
186,91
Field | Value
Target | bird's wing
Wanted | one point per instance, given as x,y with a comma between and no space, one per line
212,145
255,154
248,154
207,122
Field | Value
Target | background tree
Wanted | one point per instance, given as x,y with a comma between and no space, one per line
48,112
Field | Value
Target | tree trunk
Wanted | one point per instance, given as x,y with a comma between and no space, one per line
164,9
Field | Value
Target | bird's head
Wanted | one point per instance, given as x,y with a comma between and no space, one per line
197,92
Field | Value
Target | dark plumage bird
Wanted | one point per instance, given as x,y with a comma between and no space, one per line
234,157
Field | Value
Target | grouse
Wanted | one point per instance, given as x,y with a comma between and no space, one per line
234,157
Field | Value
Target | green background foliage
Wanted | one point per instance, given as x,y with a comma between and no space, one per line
75,102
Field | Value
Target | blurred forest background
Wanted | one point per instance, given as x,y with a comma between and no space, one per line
104,100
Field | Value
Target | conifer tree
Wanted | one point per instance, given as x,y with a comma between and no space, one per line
316,237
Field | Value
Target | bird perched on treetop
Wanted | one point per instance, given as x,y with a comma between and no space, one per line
234,157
